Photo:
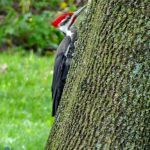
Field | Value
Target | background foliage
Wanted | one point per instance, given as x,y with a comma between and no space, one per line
26,24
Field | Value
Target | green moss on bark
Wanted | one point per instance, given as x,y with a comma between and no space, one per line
105,103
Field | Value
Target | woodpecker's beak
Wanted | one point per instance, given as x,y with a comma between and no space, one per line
77,13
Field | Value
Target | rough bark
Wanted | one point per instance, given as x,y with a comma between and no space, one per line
106,102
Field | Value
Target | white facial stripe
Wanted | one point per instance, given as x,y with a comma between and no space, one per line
64,21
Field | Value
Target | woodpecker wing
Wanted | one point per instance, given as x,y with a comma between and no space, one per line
60,73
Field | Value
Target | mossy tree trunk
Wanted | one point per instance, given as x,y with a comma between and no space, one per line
106,102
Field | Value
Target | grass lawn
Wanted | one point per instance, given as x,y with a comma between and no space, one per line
25,101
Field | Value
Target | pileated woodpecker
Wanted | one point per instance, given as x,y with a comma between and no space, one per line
64,54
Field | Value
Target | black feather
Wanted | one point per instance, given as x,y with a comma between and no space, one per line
59,79
61,68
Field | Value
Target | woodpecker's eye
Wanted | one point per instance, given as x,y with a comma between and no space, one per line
65,20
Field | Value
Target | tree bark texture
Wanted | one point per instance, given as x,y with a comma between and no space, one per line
106,101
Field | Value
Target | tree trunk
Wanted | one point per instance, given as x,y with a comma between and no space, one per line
106,101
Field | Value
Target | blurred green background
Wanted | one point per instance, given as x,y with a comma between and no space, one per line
27,46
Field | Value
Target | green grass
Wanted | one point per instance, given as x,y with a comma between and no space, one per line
25,101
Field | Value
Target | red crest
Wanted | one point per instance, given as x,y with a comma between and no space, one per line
56,22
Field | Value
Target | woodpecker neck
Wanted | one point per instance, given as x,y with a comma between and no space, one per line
66,31
72,33
69,33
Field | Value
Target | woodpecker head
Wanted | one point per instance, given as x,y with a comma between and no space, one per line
65,21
